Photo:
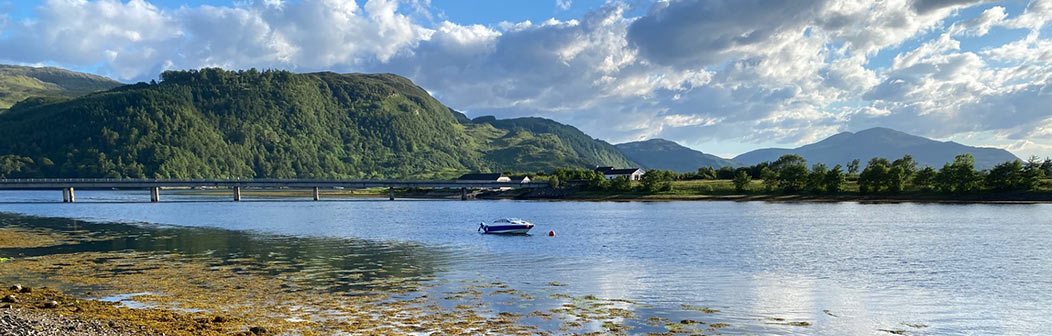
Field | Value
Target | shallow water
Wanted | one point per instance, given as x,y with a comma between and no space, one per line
845,268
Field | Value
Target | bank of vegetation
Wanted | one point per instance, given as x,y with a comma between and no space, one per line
790,175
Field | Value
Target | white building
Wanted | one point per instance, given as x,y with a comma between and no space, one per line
634,174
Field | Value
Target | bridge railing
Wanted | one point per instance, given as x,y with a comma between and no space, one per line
276,181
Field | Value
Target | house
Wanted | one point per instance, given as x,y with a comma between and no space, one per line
634,174
485,177
519,179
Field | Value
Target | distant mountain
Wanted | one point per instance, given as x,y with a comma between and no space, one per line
277,124
668,155
881,142
21,82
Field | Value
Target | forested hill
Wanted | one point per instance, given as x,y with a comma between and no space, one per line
21,82
540,144
276,124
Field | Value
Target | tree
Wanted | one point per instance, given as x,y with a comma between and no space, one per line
553,181
816,180
707,173
960,176
657,180
1032,173
741,181
908,165
835,180
874,178
900,172
792,178
770,179
11,165
725,173
788,160
852,167
1006,176
924,179
621,183
598,182
1046,167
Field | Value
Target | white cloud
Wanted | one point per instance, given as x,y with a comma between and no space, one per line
1036,15
757,71
980,25
136,39
563,4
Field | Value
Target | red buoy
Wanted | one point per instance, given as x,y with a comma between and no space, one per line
551,233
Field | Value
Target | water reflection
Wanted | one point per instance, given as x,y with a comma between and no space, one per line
844,268
338,264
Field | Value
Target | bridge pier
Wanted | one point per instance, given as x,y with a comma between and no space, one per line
390,193
237,194
155,194
463,194
67,195
317,194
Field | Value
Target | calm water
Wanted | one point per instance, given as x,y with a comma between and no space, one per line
847,268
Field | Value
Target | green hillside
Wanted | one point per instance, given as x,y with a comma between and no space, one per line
277,124
538,143
21,82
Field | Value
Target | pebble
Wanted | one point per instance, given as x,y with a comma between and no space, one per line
10,299
51,304
258,330
15,322
219,319
25,290
16,288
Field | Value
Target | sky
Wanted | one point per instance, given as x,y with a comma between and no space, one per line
720,76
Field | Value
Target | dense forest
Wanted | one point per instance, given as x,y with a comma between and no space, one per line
248,124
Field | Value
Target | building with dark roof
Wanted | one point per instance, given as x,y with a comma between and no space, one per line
634,174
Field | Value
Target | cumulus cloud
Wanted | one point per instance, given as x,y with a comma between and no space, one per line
695,71
701,32
136,39
563,4
924,6
980,25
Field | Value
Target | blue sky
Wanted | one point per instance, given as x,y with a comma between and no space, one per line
721,76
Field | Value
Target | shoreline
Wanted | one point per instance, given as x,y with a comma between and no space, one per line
572,195
589,196
45,311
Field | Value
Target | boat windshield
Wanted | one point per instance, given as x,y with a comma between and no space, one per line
510,220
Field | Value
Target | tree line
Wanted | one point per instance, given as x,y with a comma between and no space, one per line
791,174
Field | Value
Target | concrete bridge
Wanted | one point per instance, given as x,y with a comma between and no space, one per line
155,186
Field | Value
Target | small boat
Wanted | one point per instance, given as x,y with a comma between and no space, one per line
506,225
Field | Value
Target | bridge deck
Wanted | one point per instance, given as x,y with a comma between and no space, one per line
24,184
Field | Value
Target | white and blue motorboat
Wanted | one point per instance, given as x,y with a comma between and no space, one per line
506,225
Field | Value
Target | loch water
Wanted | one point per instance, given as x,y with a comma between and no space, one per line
844,268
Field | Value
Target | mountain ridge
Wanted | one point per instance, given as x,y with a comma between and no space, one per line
20,82
668,155
884,142
218,123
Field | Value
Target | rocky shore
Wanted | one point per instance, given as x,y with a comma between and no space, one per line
23,322
27,311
